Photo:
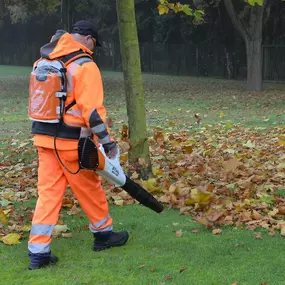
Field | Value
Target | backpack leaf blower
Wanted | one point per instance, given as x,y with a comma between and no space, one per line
94,158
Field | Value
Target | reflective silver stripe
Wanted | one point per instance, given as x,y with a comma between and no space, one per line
39,247
82,60
69,74
104,140
55,64
75,113
41,230
99,128
85,132
109,228
102,222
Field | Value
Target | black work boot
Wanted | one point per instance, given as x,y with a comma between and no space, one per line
105,240
39,260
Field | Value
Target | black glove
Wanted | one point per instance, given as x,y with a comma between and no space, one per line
110,149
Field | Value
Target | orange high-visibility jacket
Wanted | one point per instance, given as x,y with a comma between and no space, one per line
84,101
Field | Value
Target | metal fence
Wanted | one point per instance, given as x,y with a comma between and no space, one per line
211,59
274,62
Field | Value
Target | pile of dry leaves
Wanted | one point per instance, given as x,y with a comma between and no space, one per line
220,175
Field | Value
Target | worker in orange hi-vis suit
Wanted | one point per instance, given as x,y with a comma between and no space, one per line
84,113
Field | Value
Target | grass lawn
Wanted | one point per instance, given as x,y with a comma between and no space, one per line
171,102
154,253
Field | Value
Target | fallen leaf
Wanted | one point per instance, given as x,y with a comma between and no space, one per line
67,203
282,232
124,158
3,217
119,202
141,266
109,122
281,209
150,185
66,235
230,150
273,212
188,149
61,228
179,233
204,198
124,146
258,235
249,144
134,176
167,277
195,231
232,164
26,228
124,133
5,203
73,211
11,239
153,269
142,161
216,231
182,269
281,166
203,221
23,144
256,215
214,215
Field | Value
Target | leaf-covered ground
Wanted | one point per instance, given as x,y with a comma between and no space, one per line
221,175
217,153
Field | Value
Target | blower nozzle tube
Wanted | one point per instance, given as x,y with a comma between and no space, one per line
93,157
141,195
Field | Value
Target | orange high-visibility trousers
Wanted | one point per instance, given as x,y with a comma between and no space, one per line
53,179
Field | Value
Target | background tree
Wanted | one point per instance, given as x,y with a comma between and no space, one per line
248,21
2,7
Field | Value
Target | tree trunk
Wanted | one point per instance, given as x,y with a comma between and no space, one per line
229,64
2,7
254,64
70,15
139,147
252,35
66,14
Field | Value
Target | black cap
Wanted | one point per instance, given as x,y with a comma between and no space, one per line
86,28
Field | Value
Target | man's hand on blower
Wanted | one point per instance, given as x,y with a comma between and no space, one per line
111,149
